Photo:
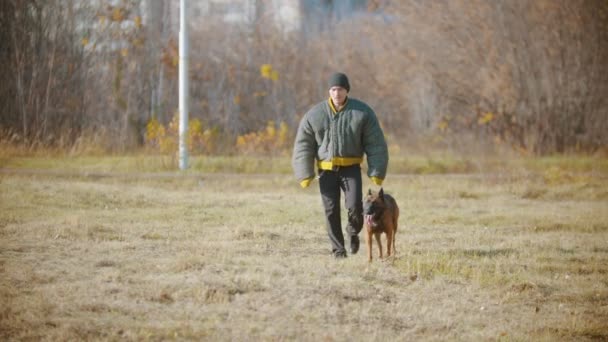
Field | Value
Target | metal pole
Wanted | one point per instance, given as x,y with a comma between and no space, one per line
183,86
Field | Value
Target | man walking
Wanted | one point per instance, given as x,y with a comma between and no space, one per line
336,133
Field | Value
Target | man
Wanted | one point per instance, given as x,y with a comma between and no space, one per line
336,133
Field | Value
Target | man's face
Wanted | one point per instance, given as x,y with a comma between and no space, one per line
338,95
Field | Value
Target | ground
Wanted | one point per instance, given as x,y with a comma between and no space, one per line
501,256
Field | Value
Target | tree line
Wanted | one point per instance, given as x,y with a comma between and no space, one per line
529,75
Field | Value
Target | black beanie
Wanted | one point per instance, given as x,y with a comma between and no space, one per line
339,79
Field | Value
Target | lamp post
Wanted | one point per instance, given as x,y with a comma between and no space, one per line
184,93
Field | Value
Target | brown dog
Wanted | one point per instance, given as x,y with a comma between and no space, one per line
380,215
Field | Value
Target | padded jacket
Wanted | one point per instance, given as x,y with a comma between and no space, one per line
339,139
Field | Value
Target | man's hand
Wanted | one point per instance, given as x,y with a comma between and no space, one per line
306,182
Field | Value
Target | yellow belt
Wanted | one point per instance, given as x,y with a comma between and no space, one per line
339,161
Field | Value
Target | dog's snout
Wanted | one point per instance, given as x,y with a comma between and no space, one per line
372,209
368,208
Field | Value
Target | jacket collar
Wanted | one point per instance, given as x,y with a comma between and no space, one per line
333,108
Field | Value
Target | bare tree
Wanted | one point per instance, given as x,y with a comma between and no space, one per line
527,74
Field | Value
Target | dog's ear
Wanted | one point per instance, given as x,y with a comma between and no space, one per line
381,194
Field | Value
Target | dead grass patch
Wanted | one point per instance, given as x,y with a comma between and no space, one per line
106,263
534,193
581,227
102,233
153,236
171,258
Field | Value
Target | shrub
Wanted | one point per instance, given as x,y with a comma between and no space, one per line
166,140
272,140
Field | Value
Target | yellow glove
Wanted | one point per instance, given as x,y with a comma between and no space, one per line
376,180
306,182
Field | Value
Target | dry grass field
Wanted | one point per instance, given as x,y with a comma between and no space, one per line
506,256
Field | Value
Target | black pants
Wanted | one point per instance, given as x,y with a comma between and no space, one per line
332,183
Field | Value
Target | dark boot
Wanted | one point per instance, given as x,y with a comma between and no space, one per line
340,255
354,244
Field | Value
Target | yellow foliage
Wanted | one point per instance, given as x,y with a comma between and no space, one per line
443,125
165,140
486,118
154,130
284,134
201,140
271,131
138,42
85,41
118,14
269,141
267,72
138,21
272,140
274,75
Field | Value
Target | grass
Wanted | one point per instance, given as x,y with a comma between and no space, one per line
552,169
487,256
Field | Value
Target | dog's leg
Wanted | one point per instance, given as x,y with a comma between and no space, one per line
394,235
379,245
393,240
396,220
368,241
390,234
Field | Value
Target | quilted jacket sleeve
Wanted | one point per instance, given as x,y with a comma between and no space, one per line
304,151
375,147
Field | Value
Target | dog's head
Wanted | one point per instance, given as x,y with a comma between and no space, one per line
373,207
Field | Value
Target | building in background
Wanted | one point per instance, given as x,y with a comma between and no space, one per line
286,15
